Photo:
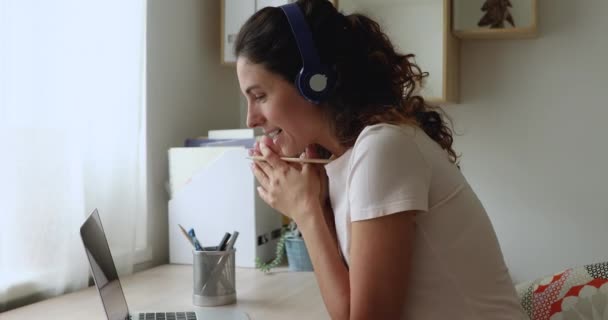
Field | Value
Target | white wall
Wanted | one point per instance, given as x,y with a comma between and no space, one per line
189,92
533,115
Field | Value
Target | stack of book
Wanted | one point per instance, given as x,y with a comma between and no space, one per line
224,138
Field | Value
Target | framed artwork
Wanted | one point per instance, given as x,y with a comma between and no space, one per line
495,19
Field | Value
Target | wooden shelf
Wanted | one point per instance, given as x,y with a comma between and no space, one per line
509,33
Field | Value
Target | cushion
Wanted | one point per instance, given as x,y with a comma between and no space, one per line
579,293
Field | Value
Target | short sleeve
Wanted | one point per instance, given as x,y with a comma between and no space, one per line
388,173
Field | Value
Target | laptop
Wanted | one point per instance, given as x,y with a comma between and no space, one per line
109,287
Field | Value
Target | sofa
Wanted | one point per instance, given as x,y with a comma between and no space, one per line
579,293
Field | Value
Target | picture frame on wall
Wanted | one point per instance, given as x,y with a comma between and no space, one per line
495,19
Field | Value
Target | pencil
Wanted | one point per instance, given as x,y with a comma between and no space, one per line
300,160
186,235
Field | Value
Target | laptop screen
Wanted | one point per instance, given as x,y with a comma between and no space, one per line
103,269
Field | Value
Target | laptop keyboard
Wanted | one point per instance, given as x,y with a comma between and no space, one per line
166,316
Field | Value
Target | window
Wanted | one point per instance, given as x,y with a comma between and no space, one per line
72,126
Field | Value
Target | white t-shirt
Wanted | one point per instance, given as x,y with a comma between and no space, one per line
458,271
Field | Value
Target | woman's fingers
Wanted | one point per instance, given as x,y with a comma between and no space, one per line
265,167
311,152
259,171
264,195
271,157
295,165
265,140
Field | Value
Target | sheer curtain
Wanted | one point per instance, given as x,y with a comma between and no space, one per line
72,115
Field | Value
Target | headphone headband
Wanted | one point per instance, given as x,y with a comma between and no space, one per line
314,81
303,36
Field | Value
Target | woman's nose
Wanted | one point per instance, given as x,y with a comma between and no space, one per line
254,118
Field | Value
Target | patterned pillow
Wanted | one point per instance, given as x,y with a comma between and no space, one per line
579,293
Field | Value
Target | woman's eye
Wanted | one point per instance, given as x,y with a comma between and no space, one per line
260,97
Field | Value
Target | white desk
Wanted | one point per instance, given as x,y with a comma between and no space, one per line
280,295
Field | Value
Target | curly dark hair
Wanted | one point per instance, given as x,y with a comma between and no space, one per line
375,84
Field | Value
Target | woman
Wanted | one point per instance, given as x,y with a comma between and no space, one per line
392,227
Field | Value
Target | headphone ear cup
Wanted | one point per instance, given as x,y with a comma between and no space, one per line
318,82
317,86
299,83
303,85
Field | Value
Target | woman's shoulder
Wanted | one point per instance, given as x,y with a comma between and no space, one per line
389,127
389,135
400,141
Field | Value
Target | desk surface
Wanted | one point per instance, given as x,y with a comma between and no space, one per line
280,295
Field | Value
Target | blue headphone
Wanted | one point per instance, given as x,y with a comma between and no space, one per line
315,81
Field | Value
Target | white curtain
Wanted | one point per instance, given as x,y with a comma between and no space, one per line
72,97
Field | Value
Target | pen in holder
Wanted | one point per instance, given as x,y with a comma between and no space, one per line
195,241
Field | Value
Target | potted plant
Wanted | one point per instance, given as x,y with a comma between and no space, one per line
292,243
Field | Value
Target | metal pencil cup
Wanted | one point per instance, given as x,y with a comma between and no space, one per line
214,278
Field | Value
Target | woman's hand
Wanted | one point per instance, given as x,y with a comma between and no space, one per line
293,189
312,153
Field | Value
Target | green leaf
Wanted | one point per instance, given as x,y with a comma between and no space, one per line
279,254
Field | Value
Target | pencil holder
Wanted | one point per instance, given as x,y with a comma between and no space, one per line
214,278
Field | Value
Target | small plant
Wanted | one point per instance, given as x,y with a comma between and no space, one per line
290,230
